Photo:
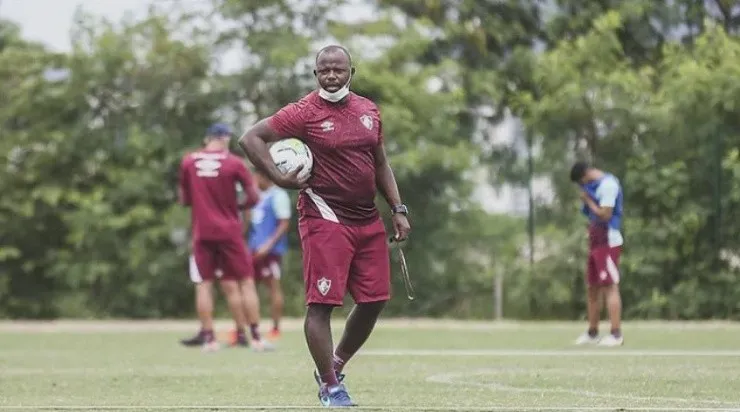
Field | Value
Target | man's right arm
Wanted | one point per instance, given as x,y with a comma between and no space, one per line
607,193
287,122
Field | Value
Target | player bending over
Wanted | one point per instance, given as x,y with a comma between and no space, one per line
208,181
268,241
342,235
602,203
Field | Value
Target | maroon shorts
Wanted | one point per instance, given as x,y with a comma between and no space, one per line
338,257
603,266
224,259
268,267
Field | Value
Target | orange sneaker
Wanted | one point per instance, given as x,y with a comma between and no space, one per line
274,334
231,338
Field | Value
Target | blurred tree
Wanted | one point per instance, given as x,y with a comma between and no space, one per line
33,111
274,41
95,156
491,44
658,126
92,140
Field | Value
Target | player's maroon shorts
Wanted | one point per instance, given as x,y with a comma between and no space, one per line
603,266
226,259
338,257
267,267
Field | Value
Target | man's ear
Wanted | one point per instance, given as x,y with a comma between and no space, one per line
352,71
314,73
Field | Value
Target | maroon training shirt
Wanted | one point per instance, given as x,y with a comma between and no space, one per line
343,138
208,184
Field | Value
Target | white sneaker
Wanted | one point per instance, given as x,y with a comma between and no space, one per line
211,346
261,346
611,340
587,339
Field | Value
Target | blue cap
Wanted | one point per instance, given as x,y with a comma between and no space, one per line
219,129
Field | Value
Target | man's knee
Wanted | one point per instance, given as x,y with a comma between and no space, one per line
595,291
229,287
248,284
319,311
372,307
204,287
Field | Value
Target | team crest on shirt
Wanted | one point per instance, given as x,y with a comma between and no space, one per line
324,285
327,126
367,121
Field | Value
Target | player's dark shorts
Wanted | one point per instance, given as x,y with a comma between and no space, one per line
268,267
338,258
223,259
603,266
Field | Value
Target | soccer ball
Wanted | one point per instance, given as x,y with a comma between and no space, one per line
287,154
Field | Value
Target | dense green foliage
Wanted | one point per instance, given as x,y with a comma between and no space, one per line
91,140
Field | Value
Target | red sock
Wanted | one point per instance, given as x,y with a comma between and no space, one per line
255,330
340,359
240,334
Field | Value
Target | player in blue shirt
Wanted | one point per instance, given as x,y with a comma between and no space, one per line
268,241
602,198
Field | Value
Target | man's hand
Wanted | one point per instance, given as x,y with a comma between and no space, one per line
401,226
262,252
292,180
604,213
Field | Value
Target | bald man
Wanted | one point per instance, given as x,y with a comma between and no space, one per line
343,238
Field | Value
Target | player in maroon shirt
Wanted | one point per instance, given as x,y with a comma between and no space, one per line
343,239
208,180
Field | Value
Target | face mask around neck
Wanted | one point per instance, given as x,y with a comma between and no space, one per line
337,95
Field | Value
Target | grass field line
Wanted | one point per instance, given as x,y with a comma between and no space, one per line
619,352
385,408
293,324
464,379
189,371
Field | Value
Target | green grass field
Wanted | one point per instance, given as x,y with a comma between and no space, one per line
407,365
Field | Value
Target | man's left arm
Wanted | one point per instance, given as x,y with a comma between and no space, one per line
386,182
607,193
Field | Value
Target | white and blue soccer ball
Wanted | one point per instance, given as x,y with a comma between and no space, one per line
288,154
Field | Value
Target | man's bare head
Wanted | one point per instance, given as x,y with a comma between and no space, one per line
333,72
